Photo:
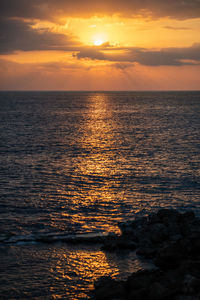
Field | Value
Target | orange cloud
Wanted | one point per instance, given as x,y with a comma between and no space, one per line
166,56
42,9
77,76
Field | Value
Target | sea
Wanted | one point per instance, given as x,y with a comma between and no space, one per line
76,164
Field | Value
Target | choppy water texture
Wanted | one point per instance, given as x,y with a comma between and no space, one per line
74,163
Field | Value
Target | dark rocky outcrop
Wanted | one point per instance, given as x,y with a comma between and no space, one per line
149,234
172,240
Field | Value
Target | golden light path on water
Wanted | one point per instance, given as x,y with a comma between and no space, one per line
77,270
101,162
96,171
84,266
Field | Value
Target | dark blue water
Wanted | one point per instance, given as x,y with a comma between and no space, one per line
74,163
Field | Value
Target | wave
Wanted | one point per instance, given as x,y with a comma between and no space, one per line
94,238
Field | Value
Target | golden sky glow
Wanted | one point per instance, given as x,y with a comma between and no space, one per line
71,43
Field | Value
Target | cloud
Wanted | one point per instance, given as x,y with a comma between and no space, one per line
91,53
122,66
45,9
18,35
54,66
176,28
18,16
162,57
54,76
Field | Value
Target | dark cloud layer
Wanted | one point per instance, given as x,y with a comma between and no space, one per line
18,35
165,56
42,9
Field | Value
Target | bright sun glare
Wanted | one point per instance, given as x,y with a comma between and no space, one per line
98,42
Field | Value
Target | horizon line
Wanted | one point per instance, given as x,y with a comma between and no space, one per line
99,91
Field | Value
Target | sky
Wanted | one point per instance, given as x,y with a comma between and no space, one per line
99,45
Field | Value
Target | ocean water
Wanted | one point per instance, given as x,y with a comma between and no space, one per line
75,163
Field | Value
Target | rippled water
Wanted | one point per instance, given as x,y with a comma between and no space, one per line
80,162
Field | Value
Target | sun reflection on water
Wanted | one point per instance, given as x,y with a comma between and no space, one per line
93,195
94,185
76,269
98,166
79,269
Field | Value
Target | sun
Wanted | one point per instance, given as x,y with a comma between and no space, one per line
98,42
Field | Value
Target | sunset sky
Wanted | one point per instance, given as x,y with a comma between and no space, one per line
99,45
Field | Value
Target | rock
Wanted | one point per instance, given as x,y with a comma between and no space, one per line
169,257
122,242
139,222
140,294
129,227
109,246
173,239
194,241
154,218
190,284
108,289
103,281
165,212
158,233
168,216
174,229
188,216
126,243
191,267
126,228
146,249
141,279
187,297
156,291
117,299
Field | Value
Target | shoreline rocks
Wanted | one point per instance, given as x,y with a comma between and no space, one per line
172,240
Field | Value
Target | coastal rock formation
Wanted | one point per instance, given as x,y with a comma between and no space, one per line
172,240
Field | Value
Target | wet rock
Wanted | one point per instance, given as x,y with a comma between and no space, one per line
168,215
110,244
172,239
174,229
115,243
190,284
141,279
108,289
194,241
126,228
146,249
169,257
158,233
191,267
179,283
129,227
154,218
155,230
187,297
150,234
176,237
188,216
157,291
124,243
139,222
140,294
117,299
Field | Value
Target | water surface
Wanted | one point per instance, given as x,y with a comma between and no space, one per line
79,162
